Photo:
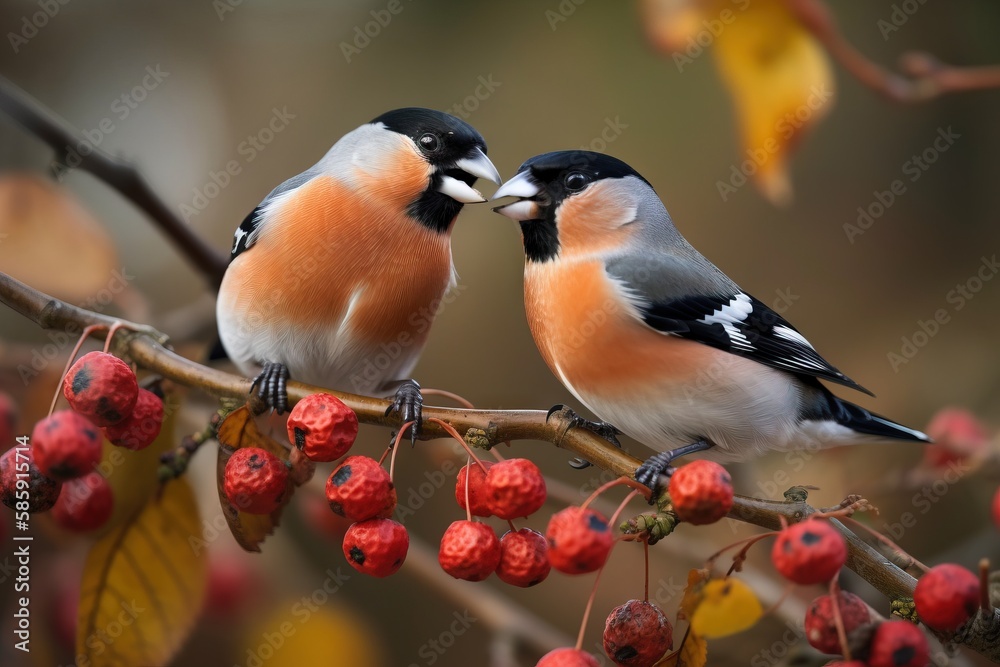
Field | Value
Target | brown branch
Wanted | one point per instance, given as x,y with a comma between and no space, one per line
120,175
925,77
144,346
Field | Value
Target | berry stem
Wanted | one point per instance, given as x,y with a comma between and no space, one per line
513,528
395,448
838,619
69,362
467,404
645,555
747,542
886,541
597,579
468,505
621,481
111,334
453,433
984,586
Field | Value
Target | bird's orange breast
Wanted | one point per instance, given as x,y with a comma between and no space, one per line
327,254
590,338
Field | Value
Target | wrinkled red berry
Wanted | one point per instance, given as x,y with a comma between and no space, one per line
898,644
810,552
524,558
377,547
469,550
322,427
515,488
701,492
477,489
957,435
820,626
579,540
140,428
37,493
567,657
84,504
255,480
101,387
66,445
946,597
637,634
360,489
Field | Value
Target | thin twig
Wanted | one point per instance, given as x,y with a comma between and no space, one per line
120,175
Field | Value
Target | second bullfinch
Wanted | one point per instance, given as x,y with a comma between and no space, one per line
335,278
656,340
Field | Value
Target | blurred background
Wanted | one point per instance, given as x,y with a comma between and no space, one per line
184,89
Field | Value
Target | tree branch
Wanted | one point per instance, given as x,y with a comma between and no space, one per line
925,78
70,146
144,346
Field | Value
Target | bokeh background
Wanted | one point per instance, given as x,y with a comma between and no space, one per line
229,68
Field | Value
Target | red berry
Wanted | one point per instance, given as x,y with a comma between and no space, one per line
66,445
996,508
957,435
39,495
946,597
524,558
101,387
255,481
898,644
579,540
810,552
637,634
567,657
322,427
701,492
376,547
84,504
360,489
469,551
820,626
140,428
515,488
477,489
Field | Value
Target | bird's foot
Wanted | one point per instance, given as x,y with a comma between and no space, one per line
607,431
409,403
658,468
272,386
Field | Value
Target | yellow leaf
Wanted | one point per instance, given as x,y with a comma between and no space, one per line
143,585
728,606
781,83
321,634
693,652
692,593
238,430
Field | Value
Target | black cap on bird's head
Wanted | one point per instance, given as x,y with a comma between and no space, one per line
543,182
457,155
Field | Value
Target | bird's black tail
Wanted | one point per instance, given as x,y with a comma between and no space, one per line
858,419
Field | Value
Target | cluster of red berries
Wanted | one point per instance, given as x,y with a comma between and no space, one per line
61,465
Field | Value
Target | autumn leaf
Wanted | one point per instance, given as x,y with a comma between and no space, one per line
143,585
52,243
727,606
693,652
778,75
239,429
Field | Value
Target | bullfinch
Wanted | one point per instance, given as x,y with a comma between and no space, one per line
653,338
335,278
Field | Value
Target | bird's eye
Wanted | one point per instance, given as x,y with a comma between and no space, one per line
429,143
575,181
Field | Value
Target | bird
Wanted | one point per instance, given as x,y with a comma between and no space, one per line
654,339
335,278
